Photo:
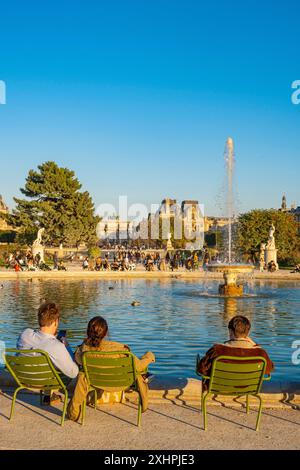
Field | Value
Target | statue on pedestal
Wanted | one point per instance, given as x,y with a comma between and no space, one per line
38,240
271,240
262,257
37,247
270,250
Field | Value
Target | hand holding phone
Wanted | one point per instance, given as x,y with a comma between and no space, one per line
62,335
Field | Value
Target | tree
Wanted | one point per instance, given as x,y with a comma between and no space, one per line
94,252
54,201
7,236
253,229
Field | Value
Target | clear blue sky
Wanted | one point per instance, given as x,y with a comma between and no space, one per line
138,97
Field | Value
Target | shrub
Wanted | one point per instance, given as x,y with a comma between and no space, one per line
94,252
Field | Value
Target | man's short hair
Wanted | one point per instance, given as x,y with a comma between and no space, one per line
48,313
240,326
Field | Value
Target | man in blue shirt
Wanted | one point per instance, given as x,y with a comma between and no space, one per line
45,338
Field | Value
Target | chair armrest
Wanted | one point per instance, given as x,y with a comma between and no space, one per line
205,377
267,377
197,372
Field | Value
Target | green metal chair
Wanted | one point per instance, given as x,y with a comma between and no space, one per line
33,370
103,371
235,376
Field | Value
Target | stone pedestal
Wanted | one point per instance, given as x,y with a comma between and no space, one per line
231,290
271,255
38,249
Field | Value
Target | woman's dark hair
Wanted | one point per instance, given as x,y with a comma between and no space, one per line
97,330
240,326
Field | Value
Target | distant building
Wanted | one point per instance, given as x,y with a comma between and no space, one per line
184,220
168,208
213,223
3,210
114,229
283,203
295,211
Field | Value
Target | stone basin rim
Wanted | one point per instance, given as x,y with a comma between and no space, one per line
231,268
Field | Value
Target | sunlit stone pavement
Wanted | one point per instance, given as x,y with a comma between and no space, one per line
164,426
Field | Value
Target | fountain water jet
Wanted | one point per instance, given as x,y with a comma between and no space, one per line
230,269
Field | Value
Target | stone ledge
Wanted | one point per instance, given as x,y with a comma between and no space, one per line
181,391
108,275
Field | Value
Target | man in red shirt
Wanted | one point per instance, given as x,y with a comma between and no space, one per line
239,345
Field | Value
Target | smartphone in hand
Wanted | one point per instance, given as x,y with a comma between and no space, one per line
61,335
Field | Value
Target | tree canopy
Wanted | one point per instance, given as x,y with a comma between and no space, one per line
253,229
54,201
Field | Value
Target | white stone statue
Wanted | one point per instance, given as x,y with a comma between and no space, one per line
262,257
271,240
270,248
38,240
37,247
262,252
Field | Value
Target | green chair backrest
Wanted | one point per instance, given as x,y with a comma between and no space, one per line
32,368
104,370
232,375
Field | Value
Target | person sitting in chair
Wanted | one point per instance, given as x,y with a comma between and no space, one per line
45,339
239,345
97,331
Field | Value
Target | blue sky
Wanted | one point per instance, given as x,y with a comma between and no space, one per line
138,97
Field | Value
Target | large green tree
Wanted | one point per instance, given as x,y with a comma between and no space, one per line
253,229
54,201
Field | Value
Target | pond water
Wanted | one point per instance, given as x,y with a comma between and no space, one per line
176,319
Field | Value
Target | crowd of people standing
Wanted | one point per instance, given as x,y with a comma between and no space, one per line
117,259
128,260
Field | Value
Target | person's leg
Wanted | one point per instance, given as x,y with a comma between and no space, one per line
80,393
143,389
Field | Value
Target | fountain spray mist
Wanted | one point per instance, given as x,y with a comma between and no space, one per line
229,160
230,268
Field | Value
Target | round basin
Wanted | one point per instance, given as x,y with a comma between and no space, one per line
231,272
230,268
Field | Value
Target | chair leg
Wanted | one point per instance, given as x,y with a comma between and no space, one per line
13,402
259,412
64,408
247,404
41,397
204,411
201,397
95,398
139,411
